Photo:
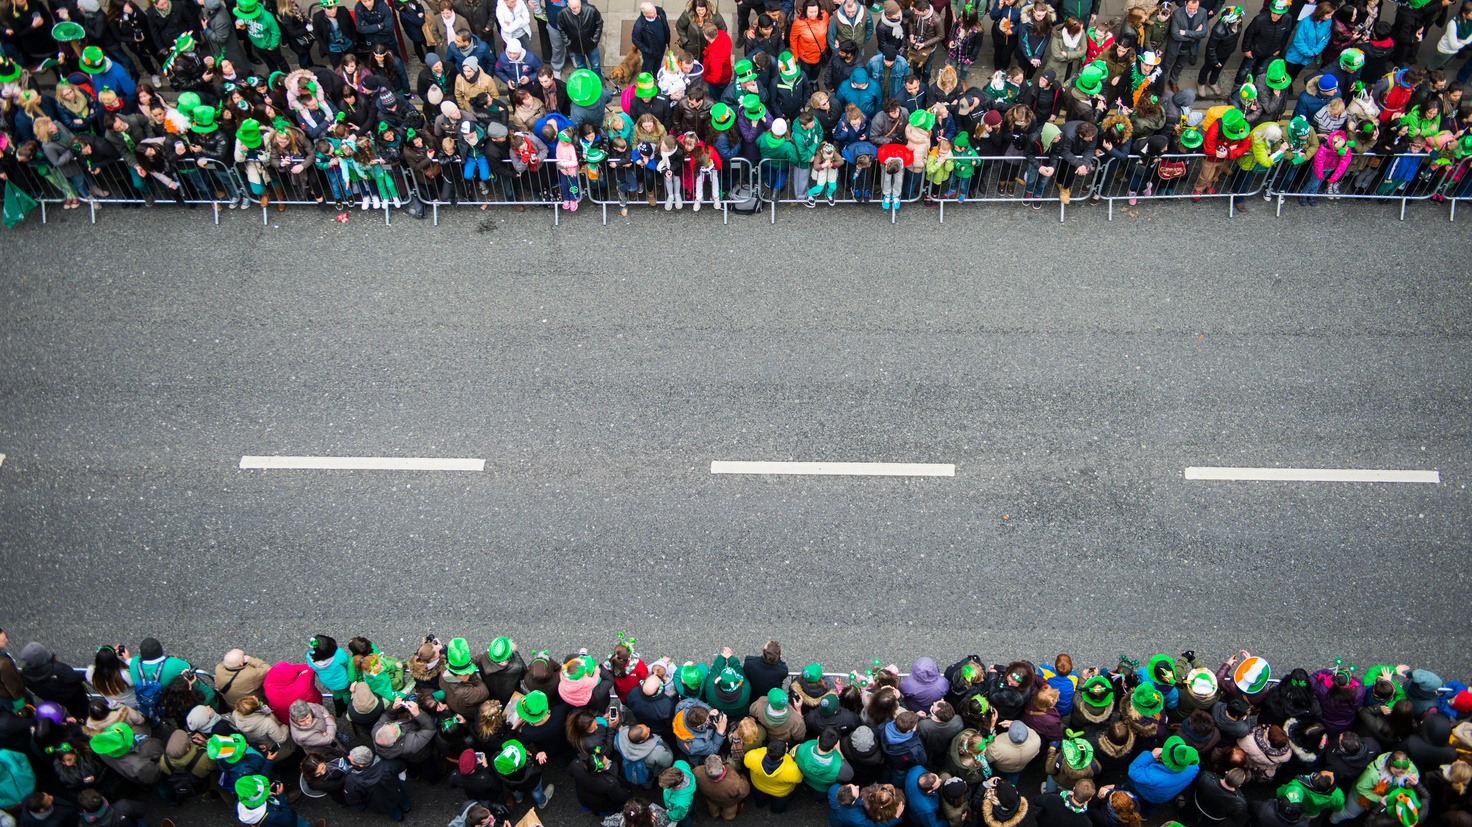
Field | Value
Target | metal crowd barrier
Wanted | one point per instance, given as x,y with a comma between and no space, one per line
603,192
848,175
532,188
1404,177
991,174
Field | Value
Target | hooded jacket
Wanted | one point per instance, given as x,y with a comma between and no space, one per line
1155,782
287,682
653,753
46,677
696,743
923,687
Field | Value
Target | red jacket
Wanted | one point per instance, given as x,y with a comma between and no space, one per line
899,151
286,682
626,683
1215,138
717,59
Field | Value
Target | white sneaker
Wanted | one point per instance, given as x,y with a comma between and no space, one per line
397,203
669,204
548,790
365,203
696,208
157,81
679,200
377,204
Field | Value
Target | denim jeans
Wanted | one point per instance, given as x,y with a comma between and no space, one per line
588,61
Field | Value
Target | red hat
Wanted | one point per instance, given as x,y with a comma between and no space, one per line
992,118
467,762
1462,701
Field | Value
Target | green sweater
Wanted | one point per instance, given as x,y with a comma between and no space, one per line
818,770
708,687
1315,802
263,30
807,141
780,150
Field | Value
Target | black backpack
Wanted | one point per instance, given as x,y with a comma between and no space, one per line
181,779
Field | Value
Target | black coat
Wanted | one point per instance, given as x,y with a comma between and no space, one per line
582,30
56,681
651,37
376,787
481,785
375,25
602,792
1265,37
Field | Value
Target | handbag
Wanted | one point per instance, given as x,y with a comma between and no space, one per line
1170,169
415,207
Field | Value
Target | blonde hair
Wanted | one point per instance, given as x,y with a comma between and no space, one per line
248,705
947,79
1046,699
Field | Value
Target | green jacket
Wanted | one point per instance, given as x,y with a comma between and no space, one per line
819,771
1370,778
677,801
1315,802
1262,155
965,165
778,149
938,172
807,141
708,687
263,30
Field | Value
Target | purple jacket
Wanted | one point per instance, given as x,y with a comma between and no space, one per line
924,686
1338,717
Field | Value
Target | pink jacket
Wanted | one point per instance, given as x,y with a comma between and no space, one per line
567,158
1328,164
287,682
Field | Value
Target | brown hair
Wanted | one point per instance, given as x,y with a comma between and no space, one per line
906,721
1063,664
490,719
1124,808
247,705
1236,777
882,802
697,717
1277,738
884,704
1322,12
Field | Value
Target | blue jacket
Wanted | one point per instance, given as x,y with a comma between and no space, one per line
853,151
921,806
252,763
510,71
845,133
1309,40
897,75
116,79
1065,684
18,781
866,99
1309,105
902,750
696,743
478,50
1157,784
852,815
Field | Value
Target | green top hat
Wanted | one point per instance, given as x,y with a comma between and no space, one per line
1234,125
9,70
745,71
923,119
1090,80
202,119
584,87
248,9
114,742
787,66
249,133
188,102
93,61
644,85
1352,59
752,107
1277,76
721,117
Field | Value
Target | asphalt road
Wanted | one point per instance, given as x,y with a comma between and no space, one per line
1069,371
